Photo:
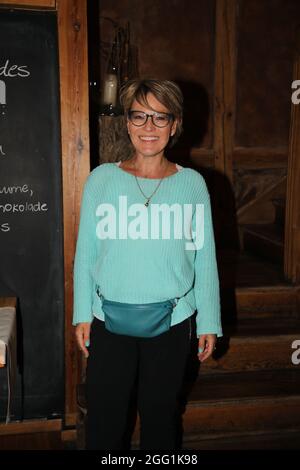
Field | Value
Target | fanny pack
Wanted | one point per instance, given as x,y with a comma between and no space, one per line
139,320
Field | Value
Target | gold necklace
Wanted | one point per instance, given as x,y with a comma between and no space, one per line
149,197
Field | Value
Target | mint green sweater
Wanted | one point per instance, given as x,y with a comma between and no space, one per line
124,250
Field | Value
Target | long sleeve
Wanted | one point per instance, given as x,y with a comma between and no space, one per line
145,270
84,259
206,286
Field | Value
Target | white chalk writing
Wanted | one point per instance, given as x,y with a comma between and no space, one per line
14,70
10,71
18,207
23,207
5,227
14,189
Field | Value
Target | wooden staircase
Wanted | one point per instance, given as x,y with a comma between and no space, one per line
250,387
247,396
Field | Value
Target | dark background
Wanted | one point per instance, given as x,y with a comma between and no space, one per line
31,258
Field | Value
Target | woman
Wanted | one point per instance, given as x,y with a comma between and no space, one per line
145,244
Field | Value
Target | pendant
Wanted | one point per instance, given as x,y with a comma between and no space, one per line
147,203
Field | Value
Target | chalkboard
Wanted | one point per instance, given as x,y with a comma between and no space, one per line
31,242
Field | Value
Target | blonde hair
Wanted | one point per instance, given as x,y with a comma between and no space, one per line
166,92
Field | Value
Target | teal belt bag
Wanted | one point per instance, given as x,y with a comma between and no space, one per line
140,320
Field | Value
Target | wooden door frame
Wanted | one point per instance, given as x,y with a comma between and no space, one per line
74,114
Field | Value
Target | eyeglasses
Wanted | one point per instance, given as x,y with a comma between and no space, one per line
138,118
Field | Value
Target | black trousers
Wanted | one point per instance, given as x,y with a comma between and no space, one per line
155,366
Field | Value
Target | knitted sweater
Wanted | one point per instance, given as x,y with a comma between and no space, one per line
137,254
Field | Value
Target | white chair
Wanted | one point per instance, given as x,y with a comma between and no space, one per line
8,345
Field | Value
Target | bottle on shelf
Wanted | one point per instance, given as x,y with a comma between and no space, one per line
109,102
110,89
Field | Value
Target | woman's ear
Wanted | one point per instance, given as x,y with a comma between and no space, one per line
173,128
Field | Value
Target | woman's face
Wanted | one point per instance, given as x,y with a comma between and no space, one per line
148,139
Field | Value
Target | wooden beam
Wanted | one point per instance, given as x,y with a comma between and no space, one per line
260,157
8,302
29,3
72,26
225,87
31,426
292,217
224,118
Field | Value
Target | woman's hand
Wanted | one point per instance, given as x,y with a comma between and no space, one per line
82,333
206,346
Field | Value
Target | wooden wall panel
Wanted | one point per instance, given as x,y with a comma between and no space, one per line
175,40
266,35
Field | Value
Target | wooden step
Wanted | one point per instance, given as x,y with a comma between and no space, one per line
223,409
254,287
240,416
261,303
222,418
265,301
264,343
235,386
243,402
248,347
237,404
282,439
247,270
264,240
250,344
247,328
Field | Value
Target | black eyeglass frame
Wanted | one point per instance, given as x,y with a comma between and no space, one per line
169,115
